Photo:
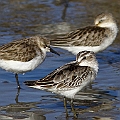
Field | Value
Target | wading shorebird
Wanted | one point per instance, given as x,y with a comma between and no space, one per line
21,56
91,38
69,79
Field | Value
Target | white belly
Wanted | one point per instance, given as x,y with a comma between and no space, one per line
69,93
76,49
21,67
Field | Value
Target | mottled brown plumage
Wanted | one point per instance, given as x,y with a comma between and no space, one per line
23,50
67,76
70,78
92,38
83,37
21,56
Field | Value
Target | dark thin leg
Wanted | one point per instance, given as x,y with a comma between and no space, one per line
17,95
16,76
73,110
65,105
65,9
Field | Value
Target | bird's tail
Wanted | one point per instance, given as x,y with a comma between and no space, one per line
30,83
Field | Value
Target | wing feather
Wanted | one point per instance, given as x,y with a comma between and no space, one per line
19,50
82,37
67,76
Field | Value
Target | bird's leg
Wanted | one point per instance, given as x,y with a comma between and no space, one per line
73,110
17,95
16,76
65,106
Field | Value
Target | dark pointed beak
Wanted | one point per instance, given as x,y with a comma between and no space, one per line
53,51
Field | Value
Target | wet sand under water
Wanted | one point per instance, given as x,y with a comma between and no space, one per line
100,101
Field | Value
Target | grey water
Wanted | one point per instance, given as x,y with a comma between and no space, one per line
25,18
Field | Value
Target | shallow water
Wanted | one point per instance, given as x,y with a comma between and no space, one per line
25,18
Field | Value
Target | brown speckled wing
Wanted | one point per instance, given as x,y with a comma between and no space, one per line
67,76
88,36
20,50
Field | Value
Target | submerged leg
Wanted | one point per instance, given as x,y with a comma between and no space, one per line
16,76
17,95
73,110
65,106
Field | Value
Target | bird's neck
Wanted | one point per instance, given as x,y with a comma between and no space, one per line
93,65
113,27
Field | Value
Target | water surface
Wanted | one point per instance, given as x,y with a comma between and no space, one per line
25,18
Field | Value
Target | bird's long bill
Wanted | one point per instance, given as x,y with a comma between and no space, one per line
53,51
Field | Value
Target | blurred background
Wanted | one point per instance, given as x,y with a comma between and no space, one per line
26,18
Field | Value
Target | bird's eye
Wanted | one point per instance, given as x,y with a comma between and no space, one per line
100,21
45,46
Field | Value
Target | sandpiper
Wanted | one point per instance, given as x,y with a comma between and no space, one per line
21,56
67,80
92,38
